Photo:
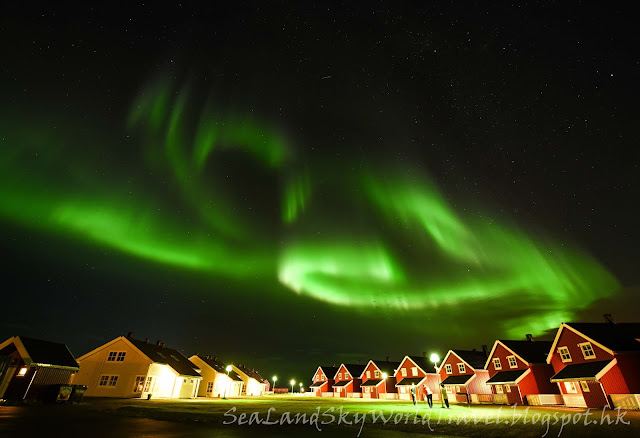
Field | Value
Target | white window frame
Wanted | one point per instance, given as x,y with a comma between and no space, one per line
414,371
585,386
570,387
508,388
448,369
139,383
404,372
496,363
339,376
148,384
562,351
347,376
499,389
376,374
589,348
109,380
368,374
210,387
461,368
513,362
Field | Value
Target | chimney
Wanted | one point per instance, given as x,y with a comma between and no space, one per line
146,340
608,318
529,337
130,335
424,354
387,358
484,349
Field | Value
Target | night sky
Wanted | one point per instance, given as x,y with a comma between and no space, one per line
287,184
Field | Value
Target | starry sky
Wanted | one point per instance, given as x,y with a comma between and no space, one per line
287,185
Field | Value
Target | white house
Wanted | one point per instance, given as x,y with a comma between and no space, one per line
216,380
254,384
127,367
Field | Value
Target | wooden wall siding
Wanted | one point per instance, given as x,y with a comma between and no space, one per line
613,381
372,369
502,353
629,365
542,374
478,384
569,339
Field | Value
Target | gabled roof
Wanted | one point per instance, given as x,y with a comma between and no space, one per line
384,366
472,358
250,373
423,362
220,367
355,370
611,337
528,351
44,353
328,371
169,356
420,361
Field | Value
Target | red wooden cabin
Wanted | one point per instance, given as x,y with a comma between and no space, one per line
519,373
464,377
597,364
323,381
416,370
347,380
377,379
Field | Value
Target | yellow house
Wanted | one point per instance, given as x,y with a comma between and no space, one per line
216,380
253,382
131,368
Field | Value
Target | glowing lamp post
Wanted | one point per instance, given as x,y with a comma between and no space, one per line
435,359
274,383
228,368
293,382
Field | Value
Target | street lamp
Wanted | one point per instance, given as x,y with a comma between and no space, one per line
228,368
434,358
293,382
274,383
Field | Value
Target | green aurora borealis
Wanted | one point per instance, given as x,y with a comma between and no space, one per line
375,239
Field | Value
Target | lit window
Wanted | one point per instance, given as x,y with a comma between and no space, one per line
513,363
404,372
496,363
449,388
587,350
570,387
499,389
139,384
346,376
368,374
414,371
376,373
508,388
461,368
339,376
23,371
564,354
147,384
448,368
584,385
